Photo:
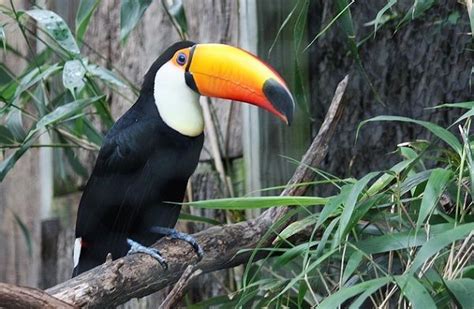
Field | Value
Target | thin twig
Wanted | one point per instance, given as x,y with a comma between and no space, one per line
178,290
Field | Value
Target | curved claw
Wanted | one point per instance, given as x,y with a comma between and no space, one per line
136,247
174,234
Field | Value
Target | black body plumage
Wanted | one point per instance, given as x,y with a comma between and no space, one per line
143,164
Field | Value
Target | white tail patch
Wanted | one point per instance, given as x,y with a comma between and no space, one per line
77,250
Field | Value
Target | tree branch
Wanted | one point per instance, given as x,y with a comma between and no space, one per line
139,275
12,296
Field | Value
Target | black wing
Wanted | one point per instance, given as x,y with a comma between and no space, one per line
124,154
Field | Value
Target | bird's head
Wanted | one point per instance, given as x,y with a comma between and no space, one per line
186,70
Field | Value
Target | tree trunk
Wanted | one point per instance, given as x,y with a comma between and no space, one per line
425,63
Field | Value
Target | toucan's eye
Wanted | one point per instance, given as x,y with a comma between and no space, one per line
181,59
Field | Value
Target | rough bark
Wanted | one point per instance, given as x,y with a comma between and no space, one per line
12,296
133,276
423,63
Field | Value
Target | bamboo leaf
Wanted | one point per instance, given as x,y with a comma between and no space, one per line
351,265
435,244
64,111
25,232
83,16
466,105
466,115
73,74
176,11
415,292
350,203
258,202
462,289
297,226
14,124
380,14
33,77
56,28
6,137
398,241
105,75
338,298
437,182
130,13
440,132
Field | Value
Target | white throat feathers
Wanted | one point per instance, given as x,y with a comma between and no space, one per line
177,104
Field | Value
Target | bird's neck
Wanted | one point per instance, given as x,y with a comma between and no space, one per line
177,104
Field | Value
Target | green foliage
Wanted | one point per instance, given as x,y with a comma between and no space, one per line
83,16
36,102
131,11
393,237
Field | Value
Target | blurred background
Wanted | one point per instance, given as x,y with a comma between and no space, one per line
402,57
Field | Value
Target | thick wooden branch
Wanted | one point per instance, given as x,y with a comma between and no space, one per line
138,275
12,296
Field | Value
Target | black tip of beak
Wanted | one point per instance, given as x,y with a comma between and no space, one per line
280,98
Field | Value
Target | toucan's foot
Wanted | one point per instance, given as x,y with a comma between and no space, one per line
136,247
174,234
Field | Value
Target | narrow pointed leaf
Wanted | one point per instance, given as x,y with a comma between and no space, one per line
57,29
83,16
415,292
440,132
258,202
437,182
130,13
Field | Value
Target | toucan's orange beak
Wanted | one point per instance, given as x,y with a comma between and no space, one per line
223,71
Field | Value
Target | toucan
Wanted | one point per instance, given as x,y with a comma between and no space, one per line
132,197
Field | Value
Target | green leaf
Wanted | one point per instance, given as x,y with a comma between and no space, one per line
73,75
338,298
176,11
293,253
6,137
462,289
466,105
26,233
282,26
14,124
3,38
415,292
435,244
33,77
465,116
64,111
83,16
350,203
297,226
351,265
57,28
419,8
397,241
387,178
105,75
130,13
258,202
7,164
332,205
380,14
440,132
437,182
414,180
